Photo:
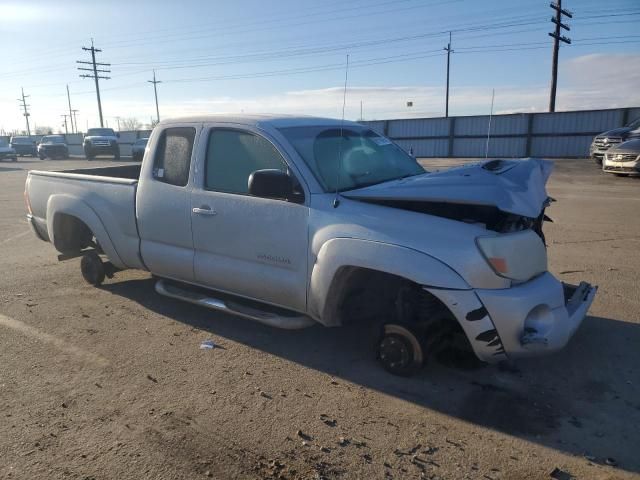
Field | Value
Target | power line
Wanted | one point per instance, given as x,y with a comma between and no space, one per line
557,38
26,111
95,75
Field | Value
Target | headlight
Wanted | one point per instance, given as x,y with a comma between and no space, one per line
518,256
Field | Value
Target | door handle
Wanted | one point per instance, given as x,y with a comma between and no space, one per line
204,210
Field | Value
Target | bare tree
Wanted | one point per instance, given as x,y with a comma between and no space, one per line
43,130
130,123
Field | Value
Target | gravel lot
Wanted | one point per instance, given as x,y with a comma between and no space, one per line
110,383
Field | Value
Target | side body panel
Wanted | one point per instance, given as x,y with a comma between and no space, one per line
383,257
164,217
106,205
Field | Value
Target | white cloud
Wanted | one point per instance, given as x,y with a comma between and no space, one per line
586,82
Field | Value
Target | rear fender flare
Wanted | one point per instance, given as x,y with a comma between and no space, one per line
73,206
407,263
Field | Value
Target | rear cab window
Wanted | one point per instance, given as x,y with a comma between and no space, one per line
172,160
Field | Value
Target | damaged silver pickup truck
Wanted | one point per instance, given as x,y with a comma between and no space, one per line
293,221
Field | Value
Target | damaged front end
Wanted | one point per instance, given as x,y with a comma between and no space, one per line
533,312
504,196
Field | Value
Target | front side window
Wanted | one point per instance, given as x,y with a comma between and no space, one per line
173,155
233,155
350,157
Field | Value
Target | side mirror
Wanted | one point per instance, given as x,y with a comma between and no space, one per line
271,183
118,134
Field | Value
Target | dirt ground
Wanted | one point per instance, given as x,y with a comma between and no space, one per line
110,383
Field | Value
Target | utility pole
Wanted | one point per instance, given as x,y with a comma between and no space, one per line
95,75
449,52
70,111
155,91
75,120
361,118
26,112
118,120
66,130
557,38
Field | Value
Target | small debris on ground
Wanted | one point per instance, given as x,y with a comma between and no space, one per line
154,380
207,345
303,435
558,474
331,422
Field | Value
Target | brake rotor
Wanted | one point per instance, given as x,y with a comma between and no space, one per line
399,350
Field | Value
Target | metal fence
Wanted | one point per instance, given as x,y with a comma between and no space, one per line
74,141
556,135
560,134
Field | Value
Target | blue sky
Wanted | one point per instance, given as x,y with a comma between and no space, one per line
288,56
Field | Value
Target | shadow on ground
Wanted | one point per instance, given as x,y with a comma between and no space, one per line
582,401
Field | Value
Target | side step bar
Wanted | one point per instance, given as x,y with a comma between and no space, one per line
293,322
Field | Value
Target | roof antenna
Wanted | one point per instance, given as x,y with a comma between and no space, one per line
486,150
336,201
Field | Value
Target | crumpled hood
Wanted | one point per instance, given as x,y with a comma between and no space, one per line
512,186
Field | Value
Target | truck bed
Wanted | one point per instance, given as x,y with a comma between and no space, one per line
103,198
131,172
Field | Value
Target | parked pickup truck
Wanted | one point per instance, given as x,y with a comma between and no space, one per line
101,141
293,221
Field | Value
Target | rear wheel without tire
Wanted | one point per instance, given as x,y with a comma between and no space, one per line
92,268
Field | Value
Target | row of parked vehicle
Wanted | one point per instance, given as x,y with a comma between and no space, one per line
618,150
97,141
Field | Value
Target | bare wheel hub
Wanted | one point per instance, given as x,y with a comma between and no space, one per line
399,350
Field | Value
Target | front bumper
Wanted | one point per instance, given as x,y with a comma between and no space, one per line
53,151
89,147
628,168
539,316
8,155
533,318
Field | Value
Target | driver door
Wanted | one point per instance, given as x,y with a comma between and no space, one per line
245,245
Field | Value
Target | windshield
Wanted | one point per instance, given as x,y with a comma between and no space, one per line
104,132
366,158
21,140
635,124
52,139
3,142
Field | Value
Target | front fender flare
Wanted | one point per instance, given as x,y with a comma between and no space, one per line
75,207
403,262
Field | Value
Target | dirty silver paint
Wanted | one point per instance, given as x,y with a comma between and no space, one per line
227,251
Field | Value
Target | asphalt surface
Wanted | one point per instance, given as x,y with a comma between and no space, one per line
111,383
